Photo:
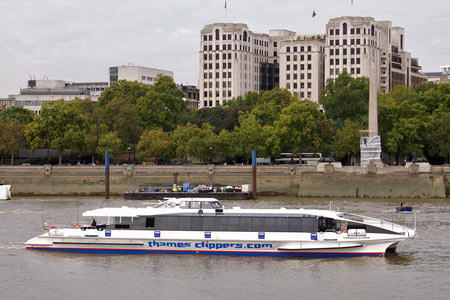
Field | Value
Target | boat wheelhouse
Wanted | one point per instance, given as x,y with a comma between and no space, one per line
204,226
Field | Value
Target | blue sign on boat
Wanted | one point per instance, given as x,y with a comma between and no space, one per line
107,232
207,235
185,186
261,235
313,236
157,234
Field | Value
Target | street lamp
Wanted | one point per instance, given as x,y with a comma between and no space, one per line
129,154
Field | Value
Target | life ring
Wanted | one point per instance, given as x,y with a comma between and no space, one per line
76,225
53,227
344,230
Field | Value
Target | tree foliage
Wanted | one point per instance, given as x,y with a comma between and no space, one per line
155,143
346,140
17,113
346,97
60,126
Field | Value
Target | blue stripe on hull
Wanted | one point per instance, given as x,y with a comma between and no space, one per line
238,253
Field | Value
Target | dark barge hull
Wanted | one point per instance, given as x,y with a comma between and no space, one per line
162,195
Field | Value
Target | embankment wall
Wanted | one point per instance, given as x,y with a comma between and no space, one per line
304,181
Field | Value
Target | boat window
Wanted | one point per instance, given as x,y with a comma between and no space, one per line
195,204
282,224
327,224
208,223
220,223
206,205
216,204
295,224
150,222
234,223
116,220
197,223
245,223
183,204
126,220
173,223
270,224
185,223
257,224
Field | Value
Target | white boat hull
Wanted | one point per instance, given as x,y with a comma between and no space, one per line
5,192
220,243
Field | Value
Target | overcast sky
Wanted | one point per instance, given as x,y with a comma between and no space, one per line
78,40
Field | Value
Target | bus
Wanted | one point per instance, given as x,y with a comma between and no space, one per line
309,159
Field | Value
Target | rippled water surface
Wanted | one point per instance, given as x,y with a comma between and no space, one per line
420,269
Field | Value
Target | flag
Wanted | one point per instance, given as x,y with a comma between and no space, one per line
225,4
314,13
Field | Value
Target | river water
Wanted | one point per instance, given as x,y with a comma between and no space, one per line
419,270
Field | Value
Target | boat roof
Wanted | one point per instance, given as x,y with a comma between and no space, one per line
172,207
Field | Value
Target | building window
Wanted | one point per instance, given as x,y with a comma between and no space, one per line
210,75
344,28
358,50
358,71
217,34
352,70
295,67
217,66
331,51
295,75
217,75
302,67
288,49
295,85
275,44
331,62
352,41
331,71
344,51
309,76
337,61
205,85
352,51
205,94
309,56
331,42
295,49
352,30
331,31
344,42
337,42
309,48
217,47
205,75
358,60
205,48
288,67
210,37
352,61
288,76
358,30
358,41
205,38
309,66
337,71
309,85
224,37
302,76
337,51
288,58
275,53
288,85
295,57
344,61
302,57
205,66
337,32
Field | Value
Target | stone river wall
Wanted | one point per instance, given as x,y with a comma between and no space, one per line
305,181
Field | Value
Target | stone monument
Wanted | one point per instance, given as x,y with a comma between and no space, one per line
370,142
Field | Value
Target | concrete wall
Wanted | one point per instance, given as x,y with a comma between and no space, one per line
303,181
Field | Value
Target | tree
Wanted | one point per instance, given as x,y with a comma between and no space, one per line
155,143
301,126
129,91
438,137
191,141
60,126
12,137
403,122
109,142
346,97
250,135
162,106
17,113
346,140
267,113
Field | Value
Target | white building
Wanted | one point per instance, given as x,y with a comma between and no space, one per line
302,66
39,92
352,42
143,75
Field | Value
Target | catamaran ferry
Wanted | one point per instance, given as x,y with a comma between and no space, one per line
204,226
